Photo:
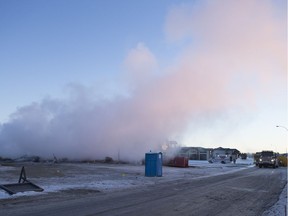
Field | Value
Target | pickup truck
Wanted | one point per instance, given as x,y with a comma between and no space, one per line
268,158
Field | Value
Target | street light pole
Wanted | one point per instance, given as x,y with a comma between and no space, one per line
287,131
282,127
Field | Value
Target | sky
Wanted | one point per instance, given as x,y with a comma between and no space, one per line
89,79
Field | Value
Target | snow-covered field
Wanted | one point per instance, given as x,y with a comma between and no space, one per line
111,177
104,177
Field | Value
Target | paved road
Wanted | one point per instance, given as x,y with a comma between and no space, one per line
247,192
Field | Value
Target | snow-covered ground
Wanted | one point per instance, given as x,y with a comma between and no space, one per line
280,207
104,177
111,177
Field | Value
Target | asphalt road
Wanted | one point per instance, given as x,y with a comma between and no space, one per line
247,192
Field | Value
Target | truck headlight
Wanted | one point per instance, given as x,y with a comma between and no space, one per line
260,159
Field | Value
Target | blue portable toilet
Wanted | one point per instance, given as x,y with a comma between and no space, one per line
153,164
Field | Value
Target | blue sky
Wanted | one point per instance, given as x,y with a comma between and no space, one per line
47,44
126,54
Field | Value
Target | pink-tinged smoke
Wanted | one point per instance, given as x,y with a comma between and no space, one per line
234,52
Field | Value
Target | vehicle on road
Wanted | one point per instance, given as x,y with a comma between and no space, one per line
256,158
268,159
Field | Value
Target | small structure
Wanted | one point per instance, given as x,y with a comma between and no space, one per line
153,164
179,162
23,185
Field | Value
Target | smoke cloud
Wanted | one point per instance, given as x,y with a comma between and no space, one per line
234,54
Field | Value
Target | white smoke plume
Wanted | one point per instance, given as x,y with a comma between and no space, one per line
234,52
